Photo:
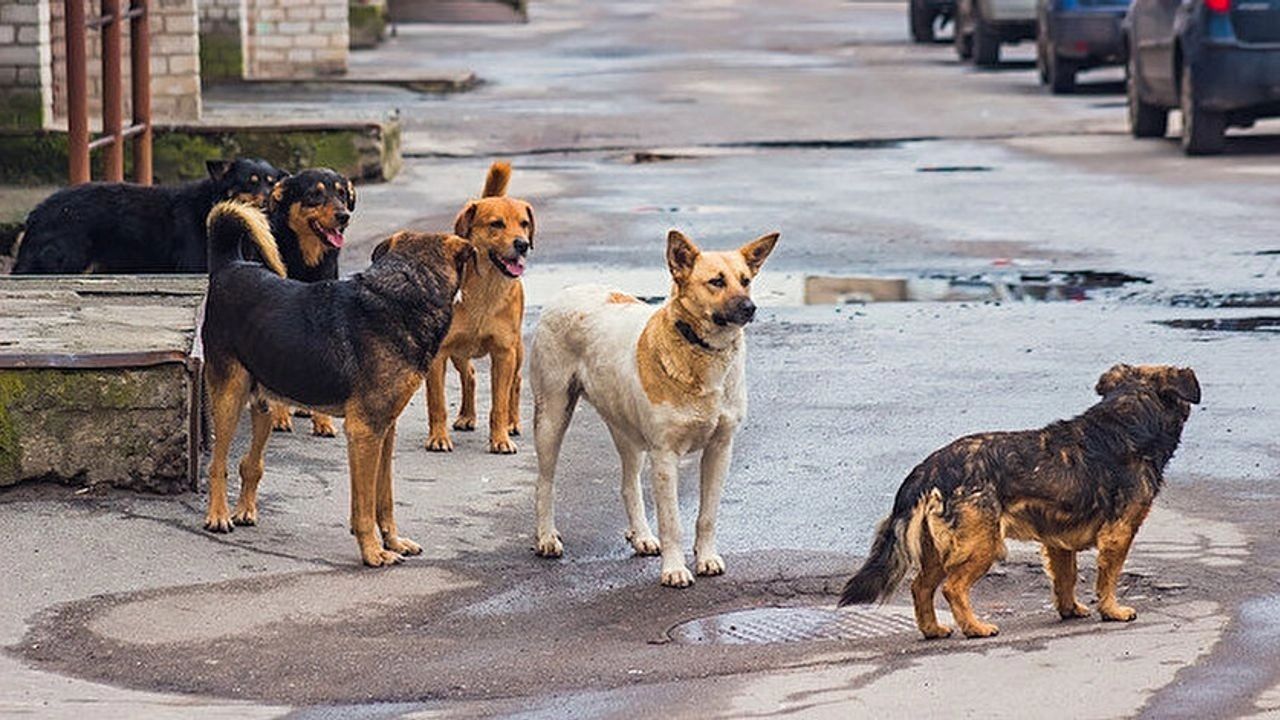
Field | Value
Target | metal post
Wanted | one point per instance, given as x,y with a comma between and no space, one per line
140,62
112,92
77,95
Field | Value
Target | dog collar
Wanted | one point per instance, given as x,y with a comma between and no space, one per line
686,331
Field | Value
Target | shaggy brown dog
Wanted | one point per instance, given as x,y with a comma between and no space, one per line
1076,484
354,348
489,318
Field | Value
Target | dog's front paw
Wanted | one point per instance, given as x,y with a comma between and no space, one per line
549,545
502,446
379,557
979,629
245,515
712,564
677,577
464,424
644,543
218,520
1117,613
322,425
514,430
936,632
439,443
1071,613
402,545
282,423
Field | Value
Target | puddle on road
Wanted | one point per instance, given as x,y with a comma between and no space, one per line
1205,299
770,625
1234,324
954,168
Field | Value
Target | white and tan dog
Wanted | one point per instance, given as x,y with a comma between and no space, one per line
667,383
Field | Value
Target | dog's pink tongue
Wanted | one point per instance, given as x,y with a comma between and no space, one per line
334,238
515,267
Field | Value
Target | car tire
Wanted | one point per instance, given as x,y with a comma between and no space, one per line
962,40
1145,120
986,42
1203,131
922,19
1062,74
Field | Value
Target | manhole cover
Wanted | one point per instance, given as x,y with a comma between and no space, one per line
784,625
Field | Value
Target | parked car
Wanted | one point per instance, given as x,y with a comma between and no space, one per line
1218,61
982,26
1076,35
926,16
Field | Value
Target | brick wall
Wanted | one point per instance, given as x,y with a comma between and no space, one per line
291,39
220,37
25,96
175,62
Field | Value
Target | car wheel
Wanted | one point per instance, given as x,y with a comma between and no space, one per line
1062,75
986,43
1145,120
921,18
963,39
1203,131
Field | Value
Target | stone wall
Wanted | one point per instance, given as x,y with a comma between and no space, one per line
220,37
291,39
175,62
25,97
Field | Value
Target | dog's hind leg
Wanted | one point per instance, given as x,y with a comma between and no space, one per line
252,464
467,377
666,497
391,539
228,389
513,414
714,467
642,539
975,545
437,414
1114,540
924,587
502,373
1060,566
554,402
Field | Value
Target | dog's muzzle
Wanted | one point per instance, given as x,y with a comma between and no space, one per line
739,312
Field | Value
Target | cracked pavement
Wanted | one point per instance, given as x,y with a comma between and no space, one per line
817,119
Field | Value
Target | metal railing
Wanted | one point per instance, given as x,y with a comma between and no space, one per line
114,132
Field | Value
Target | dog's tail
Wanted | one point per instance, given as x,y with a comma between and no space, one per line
230,225
896,548
495,184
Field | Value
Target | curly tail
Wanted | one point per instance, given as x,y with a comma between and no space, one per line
895,551
230,225
495,184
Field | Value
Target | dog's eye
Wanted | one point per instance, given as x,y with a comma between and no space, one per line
497,225
253,178
524,224
746,281
716,282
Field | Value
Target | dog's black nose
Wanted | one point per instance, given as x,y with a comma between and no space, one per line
744,311
521,245
343,217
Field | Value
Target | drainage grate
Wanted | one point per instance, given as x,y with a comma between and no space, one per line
795,624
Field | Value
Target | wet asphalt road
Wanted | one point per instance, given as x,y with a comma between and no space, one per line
871,157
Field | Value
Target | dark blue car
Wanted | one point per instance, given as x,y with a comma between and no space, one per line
1218,61
1076,35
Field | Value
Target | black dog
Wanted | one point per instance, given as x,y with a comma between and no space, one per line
1075,484
309,213
357,348
127,228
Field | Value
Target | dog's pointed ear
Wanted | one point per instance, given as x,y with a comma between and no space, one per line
1183,383
533,225
1113,378
466,218
681,254
757,251
351,195
217,169
383,247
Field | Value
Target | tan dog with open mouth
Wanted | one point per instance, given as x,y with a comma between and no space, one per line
667,383
489,318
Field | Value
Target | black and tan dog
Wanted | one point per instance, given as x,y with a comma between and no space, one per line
309,213
1076,484
127,228
355,348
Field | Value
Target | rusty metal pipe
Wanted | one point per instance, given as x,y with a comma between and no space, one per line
140,62
77,95
112,92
